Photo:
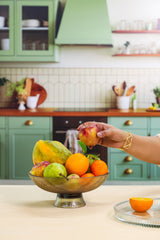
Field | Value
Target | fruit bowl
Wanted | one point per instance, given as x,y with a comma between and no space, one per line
69,191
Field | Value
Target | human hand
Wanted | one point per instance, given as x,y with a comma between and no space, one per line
109,136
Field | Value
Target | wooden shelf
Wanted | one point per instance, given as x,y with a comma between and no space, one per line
34,28
136,31
4,28
137,55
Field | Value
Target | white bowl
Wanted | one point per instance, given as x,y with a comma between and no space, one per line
30,23
2,21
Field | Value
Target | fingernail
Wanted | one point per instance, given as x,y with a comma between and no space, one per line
99,134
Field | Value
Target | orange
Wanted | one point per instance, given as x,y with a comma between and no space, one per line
99,167
141,204
77,163
88,175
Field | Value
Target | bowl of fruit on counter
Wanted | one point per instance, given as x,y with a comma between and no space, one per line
69,175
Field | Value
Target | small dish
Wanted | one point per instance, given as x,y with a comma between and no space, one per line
30,23
150,218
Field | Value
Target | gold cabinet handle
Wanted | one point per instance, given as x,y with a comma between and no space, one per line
128,123
128,171
29,123
128,159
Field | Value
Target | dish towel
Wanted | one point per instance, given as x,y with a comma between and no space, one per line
71,141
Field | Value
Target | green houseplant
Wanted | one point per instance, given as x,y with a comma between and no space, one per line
17,89
156,91
5,100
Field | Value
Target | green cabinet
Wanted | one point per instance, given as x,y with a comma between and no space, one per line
18,136
29,30
155,129
2,147
123,166
24,132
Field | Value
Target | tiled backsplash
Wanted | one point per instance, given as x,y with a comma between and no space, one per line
88,87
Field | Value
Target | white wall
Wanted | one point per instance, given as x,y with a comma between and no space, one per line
85,75
98,56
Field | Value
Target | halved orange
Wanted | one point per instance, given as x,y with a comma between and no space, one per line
140,204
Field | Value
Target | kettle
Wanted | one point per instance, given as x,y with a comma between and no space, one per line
32,101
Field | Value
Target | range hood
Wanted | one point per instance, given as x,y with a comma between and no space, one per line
85,22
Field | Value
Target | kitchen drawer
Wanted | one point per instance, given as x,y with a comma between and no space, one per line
128,122
155,123
2,122
127,170
29,122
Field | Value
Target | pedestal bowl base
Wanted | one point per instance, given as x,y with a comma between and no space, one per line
69,200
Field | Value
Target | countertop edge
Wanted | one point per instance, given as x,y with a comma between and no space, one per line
52,112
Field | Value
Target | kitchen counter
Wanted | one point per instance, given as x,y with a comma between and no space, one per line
77,112
27,212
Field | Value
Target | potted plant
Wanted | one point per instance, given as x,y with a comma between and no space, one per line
17,89
4,99
156,91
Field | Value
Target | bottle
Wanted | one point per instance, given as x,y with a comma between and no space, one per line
134,101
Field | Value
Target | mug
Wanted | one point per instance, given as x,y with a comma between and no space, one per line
5,44
123,102
32,101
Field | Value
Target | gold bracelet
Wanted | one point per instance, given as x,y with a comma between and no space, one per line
128,142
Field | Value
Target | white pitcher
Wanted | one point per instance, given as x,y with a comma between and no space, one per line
32,101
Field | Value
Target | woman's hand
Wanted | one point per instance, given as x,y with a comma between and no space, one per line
109,136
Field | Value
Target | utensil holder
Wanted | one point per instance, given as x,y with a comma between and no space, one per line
123,102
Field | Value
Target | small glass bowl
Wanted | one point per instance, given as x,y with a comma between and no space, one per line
69,192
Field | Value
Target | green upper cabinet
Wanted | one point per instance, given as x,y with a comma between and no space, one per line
29,31
7,29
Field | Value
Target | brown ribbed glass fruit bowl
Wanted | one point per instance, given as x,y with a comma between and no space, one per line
69,192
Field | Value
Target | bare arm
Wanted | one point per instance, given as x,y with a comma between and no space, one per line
144,148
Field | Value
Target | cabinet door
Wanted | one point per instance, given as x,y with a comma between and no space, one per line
36,23
155,169
6,28
3,158
125,167
21,143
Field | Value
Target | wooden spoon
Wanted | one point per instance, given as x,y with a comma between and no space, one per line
130,91
116,90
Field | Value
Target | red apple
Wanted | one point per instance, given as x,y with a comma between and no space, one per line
88,135
38,169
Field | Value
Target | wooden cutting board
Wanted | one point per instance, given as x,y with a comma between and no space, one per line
38,89
152,110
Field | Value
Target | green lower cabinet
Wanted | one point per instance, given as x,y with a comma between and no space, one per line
22,138
155,129
21,146
121,165
2,153
125,167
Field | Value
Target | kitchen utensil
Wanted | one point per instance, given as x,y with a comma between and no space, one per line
5,44
38,89
130,91
151,218
122,88
69,192
2,21
32,101
30,23
116,90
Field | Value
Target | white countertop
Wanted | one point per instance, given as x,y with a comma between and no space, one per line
27,212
